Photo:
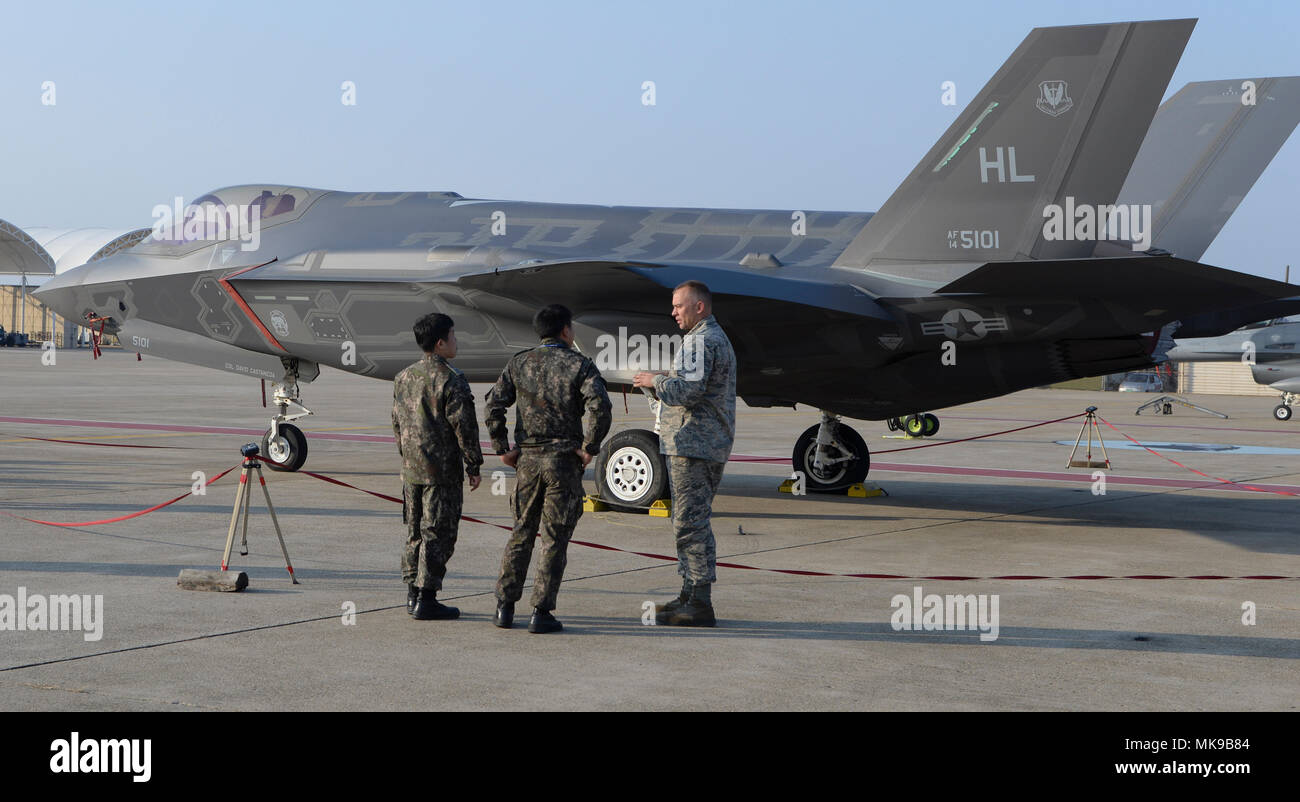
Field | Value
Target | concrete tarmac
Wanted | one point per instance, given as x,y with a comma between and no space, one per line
990,508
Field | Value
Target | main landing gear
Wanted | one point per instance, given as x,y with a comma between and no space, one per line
831,455
630,470
284,446
918,425
1283,410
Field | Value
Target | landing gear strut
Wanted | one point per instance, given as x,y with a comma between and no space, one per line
831,455
284,445
1283,410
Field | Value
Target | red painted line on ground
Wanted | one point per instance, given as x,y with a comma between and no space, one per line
170,427
891,467
669,558
1146,425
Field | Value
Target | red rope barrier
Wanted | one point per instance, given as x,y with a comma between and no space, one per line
154,508
1193,470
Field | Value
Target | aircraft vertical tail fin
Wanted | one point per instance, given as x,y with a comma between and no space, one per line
1064,117
1206,147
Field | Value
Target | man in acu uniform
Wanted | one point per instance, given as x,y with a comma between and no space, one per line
436,431
697,424
550,385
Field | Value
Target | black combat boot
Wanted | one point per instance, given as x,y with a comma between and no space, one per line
697,611
428,608
543,622
662,611
412,596
505,615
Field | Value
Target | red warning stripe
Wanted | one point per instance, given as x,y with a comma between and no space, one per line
224,281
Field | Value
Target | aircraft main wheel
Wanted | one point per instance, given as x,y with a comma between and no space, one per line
288,451
630,470
838,475
929,425
914,425
1282,412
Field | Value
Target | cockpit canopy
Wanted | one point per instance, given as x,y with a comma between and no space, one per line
231,213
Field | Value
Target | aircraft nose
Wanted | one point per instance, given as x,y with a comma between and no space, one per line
66,293
56,295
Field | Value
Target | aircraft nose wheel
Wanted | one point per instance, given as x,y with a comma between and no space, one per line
287,451
1282,412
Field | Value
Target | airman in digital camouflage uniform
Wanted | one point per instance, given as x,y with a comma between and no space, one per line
437,437
550,386
697,425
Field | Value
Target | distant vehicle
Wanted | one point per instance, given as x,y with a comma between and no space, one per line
1142,383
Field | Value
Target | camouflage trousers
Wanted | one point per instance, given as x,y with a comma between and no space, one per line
432,517
547,500
693,483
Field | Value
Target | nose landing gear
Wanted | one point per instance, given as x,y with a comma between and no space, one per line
284,445
1283,410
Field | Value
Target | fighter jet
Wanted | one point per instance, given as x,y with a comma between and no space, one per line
986,271
1270,347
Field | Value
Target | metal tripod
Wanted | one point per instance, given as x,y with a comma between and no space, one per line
242,497
1089,426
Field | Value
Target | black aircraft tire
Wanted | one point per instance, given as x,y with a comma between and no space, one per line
1282,412
630,471
842,474
914,425
291,451
929,424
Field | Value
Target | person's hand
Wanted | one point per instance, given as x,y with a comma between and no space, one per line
583,455
645,379
510,457
474,482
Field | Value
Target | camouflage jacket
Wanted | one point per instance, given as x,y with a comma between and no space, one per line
435,424
551,385
698,415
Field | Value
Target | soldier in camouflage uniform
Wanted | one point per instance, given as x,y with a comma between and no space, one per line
697,424
550,385
436,431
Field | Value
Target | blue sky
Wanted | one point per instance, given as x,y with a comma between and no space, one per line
817,105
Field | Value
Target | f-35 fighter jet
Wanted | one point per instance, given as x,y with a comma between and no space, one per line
1014,255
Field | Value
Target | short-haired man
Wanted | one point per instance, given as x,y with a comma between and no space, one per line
697,425
436,431
550,386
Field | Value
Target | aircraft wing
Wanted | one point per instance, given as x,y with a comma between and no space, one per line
639,287
1144,282
759,312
